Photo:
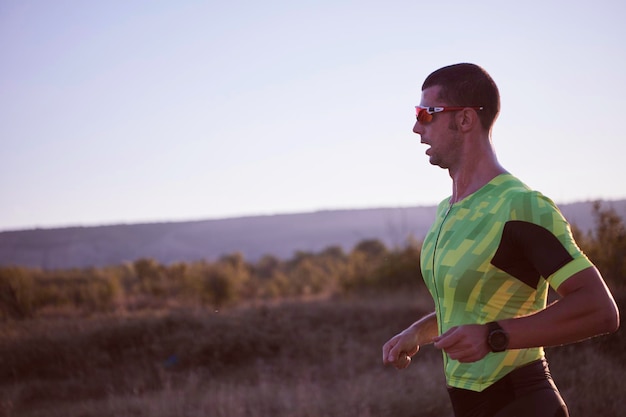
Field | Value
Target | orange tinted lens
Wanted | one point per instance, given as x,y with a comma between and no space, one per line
423,116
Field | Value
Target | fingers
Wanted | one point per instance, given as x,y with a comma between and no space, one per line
464,343
447,339
391,352
399,361
394,354
403,361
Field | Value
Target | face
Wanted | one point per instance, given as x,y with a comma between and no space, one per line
441,133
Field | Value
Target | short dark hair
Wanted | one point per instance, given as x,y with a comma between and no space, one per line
467,85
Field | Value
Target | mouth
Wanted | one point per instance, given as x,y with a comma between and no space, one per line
426,143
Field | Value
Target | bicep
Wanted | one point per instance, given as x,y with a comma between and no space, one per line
587,280
587,290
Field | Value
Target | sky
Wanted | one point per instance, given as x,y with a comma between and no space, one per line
153,111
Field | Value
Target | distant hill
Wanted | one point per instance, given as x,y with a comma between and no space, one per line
255,236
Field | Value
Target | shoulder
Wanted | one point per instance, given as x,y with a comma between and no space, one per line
525,203
533,206
522,203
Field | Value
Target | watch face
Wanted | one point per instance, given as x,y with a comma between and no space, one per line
498,340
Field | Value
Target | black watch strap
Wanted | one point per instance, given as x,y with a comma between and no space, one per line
493,325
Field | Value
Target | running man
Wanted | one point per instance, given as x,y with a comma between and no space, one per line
494,249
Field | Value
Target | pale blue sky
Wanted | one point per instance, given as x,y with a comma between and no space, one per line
141,111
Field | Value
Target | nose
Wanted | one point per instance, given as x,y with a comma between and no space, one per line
417,128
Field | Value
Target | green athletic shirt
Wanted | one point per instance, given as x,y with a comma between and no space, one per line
490,257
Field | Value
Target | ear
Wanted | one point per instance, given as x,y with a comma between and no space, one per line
467,120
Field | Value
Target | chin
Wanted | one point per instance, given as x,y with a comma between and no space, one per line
438,163
434,161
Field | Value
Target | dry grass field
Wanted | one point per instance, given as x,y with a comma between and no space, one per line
307,358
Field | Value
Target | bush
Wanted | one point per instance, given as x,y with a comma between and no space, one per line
369,268
151,276
16,292
607,246
401,269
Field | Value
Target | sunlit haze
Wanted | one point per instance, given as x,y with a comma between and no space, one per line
141,111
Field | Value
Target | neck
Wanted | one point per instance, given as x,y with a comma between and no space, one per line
477,167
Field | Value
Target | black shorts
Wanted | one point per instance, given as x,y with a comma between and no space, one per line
526,391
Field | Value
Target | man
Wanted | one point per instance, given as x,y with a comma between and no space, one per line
488,260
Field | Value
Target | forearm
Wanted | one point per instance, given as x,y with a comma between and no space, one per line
586,309
425,329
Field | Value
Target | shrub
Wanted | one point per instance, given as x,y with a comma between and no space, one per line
16,292
400,269
607,245
151,276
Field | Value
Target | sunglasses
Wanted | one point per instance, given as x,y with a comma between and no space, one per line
425,114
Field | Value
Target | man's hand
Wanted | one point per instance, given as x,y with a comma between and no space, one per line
399,349
467,343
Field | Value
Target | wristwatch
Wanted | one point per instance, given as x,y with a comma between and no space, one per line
497,338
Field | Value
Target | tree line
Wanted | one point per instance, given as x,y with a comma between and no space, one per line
370,267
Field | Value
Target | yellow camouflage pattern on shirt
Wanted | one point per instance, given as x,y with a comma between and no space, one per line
456,263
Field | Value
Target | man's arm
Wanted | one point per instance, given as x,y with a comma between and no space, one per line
586,309
408,342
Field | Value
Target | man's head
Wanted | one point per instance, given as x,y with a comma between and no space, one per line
467,85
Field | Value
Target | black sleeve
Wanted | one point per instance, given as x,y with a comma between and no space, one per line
528,251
